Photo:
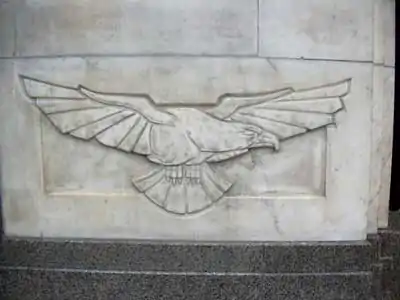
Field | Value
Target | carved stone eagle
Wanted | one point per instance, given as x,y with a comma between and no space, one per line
185,142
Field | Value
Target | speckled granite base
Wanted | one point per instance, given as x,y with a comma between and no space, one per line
62,284
389,251
53,269
33,269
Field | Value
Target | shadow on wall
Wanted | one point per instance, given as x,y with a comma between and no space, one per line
1,220
1,211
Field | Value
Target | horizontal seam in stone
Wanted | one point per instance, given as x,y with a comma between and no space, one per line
390,231
28,241
182,55
160,273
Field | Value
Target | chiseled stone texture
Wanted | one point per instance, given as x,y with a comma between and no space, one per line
385,32
339,29
87,211
47,27
382,143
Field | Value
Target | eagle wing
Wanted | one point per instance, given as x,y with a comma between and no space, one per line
285,113
115,120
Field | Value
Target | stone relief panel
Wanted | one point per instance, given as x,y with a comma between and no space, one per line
186,144
309,184
108,172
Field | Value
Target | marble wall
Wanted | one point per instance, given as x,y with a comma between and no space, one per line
259,120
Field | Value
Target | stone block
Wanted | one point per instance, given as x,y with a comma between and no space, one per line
382,144
47,27
333,30
8,11
385,32
18,151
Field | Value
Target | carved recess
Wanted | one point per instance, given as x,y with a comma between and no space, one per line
184,142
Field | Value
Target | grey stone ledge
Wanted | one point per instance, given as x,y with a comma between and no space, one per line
186,257
43,284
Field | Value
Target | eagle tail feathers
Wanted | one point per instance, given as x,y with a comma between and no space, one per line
183,190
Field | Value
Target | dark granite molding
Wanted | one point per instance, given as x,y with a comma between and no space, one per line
25,284
394,220
390,244
389,258
176,257
51,269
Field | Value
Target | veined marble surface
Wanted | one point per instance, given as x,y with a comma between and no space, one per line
280,183
382,140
